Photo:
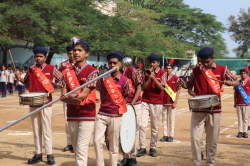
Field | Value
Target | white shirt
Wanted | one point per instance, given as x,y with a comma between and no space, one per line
2,76
22,76
10,77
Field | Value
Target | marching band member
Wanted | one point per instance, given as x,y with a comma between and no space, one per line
68,64
134,98
81,107
138,68
171,96
203,85
39,77
113,88
152,102
241,103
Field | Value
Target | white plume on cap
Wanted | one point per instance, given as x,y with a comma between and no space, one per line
75,39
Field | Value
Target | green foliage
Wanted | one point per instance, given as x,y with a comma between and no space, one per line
192,27
139,27
239,53
173,27
240,31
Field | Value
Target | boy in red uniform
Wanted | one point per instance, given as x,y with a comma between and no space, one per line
67,64
171,96
203,85
241,106
138,68
113,88
134,98
39,77
81,108
152,102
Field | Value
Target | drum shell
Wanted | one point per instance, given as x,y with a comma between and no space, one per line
203,103
120,140
33,100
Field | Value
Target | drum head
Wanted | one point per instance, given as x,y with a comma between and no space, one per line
203,97
33,94
128,129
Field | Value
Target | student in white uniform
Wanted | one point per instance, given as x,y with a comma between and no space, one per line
11,77
3,81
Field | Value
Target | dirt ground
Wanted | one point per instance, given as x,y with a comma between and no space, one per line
16,142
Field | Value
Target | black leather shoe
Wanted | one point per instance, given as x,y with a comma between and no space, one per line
37,158
124,162
132,162
202,156
50,159
164,139
170,139
141,152
68,148
245,135
152,152
239,135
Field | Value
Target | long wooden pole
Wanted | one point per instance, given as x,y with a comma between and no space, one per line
12,60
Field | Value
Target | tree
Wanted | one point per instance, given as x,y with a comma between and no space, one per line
175,25
240,30
52,23
38,22
239,53
192,27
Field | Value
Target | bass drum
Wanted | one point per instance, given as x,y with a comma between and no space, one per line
127,132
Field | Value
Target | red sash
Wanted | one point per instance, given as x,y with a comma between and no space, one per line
73,83
115,94
46,83
214,84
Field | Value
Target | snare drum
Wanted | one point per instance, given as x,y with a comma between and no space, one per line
127,132
204,101
33,98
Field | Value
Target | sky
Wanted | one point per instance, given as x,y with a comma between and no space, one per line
222,9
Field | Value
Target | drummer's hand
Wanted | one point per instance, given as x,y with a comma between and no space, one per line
5,83
174,105
232,83
63,97
182,83
236,83
132,103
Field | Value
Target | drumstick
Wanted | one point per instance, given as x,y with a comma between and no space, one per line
12,61
215,79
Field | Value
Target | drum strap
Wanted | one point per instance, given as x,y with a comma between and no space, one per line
73,83
244,95
170,92
46,83
214,84
115,94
